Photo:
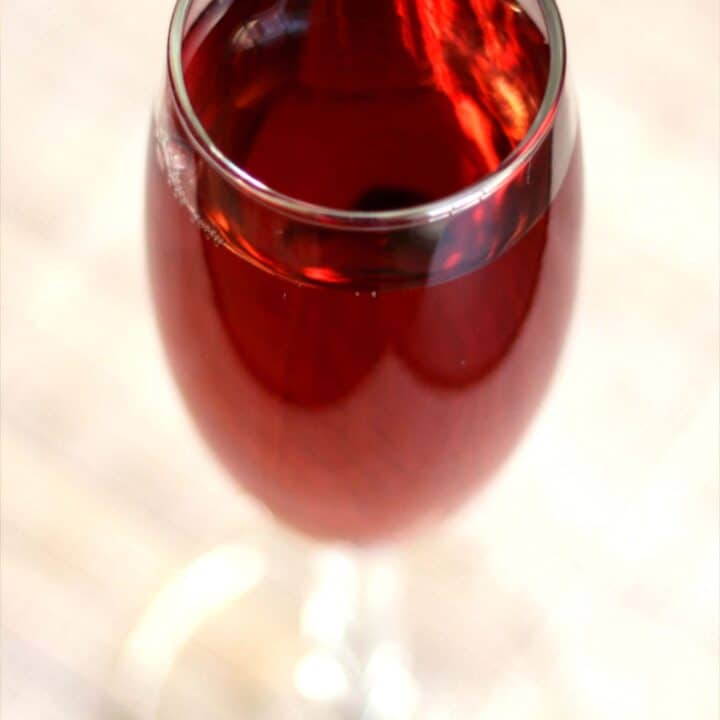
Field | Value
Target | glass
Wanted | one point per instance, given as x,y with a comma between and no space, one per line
363,227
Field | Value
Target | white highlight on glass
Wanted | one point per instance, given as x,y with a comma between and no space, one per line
207,586
330,608
319,677
393,693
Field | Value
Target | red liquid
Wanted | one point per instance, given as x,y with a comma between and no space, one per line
354,410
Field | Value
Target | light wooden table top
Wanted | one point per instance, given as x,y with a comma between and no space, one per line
107,492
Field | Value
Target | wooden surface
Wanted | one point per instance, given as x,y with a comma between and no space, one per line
605,521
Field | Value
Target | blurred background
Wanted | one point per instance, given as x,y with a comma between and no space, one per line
602,531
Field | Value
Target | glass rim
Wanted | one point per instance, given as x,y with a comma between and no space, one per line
414,215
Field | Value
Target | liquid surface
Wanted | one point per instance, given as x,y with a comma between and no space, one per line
358,411
367,105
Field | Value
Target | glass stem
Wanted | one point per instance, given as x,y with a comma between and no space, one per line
358,659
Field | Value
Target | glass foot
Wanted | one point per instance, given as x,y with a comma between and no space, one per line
323,635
